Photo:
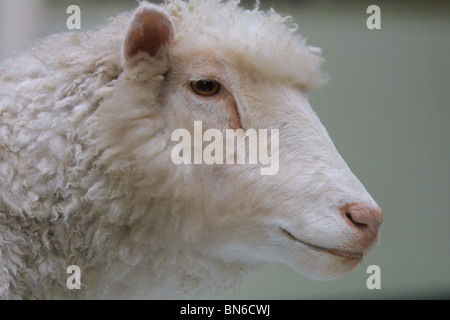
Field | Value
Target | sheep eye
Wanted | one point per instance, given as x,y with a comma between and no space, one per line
206,88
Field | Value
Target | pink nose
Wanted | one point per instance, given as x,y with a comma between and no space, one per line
364,220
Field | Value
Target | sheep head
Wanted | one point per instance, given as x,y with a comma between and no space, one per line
230,68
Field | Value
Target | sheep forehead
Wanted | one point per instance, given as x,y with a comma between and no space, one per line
264,40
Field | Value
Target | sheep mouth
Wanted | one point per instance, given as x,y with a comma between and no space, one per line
348,255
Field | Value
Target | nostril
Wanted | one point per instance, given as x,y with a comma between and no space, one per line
357,224
365,219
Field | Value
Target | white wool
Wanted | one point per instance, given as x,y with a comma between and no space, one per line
84,171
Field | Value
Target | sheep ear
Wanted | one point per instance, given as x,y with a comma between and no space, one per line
150,31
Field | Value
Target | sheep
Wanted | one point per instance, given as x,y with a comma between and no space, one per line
87,178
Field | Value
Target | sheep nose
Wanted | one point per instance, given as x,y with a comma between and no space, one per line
364,220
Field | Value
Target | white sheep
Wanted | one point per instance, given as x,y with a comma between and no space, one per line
87,178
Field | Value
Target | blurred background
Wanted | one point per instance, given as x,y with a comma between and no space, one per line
387,109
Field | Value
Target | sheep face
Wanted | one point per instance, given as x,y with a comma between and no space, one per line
302,215
312,214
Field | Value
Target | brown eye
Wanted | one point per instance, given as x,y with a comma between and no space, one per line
205,88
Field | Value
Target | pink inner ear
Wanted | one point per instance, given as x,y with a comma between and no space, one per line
149,32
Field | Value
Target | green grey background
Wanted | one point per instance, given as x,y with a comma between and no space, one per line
386,108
